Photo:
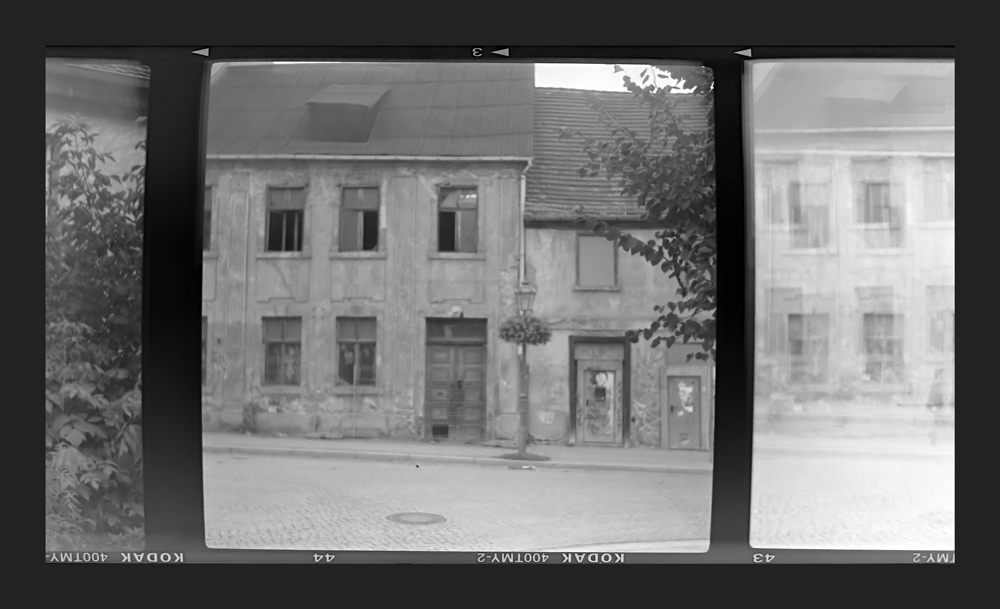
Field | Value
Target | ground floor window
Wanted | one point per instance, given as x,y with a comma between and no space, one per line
883,347
356,343
282,350
808,346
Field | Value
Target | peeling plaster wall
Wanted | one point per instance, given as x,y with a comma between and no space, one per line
401,285
551,258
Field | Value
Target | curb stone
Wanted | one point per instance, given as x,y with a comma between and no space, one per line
409,457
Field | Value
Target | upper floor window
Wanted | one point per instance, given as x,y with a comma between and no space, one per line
939,189
359,221
285,219
878,204
207,220
458,220
596,259
282,350
809,214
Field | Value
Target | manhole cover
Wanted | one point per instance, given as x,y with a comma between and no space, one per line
417,518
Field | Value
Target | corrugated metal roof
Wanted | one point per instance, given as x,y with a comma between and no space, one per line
842,95
430,109
554,188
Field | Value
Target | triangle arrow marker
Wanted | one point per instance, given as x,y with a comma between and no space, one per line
504,52
202,52
744,52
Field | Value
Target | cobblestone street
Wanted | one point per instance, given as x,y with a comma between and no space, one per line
856,503
331,504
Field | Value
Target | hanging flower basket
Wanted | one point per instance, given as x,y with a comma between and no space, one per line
530,330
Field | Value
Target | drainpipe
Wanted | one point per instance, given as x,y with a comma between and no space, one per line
522,269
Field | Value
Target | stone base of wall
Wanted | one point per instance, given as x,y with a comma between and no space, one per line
303,421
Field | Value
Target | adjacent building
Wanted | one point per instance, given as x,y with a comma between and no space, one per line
855,241
110,98
590,385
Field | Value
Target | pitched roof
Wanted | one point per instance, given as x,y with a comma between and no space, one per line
133,70
839,95
426,109
554,188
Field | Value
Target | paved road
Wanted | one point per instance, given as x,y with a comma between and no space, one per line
326,504
883,503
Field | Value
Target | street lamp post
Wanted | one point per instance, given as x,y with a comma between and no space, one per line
525,298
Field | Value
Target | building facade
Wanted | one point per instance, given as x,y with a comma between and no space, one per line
590,385
855,241
358,258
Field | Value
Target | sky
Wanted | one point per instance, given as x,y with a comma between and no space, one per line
595,77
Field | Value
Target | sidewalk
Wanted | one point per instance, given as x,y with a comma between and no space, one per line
564,457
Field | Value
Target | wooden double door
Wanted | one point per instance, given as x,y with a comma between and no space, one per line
455,406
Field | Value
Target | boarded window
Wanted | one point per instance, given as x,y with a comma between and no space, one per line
458,220
939,189
282,350
285,219
595,266
359,221
206,225
204,350
808,347
883,347
941,315
356,350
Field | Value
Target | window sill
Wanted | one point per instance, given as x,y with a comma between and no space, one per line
809,251
284,256
936,224
210,255
897,251
358,255
873,387
579,288
455,256
282,390
361,390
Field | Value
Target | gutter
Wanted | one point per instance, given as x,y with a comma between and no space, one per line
363,157
522,270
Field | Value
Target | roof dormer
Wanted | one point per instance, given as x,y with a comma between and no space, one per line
344,113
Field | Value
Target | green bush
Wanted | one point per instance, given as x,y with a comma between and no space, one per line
93,336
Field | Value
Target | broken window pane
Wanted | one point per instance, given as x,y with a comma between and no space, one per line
458,223
446,231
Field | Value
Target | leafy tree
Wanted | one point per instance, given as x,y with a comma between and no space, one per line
93,336
671,172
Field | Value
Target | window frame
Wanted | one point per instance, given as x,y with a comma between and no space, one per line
898,338
616,286
268,210
301,349
205,344
805,340
442,191
343,213
948,206
356,342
